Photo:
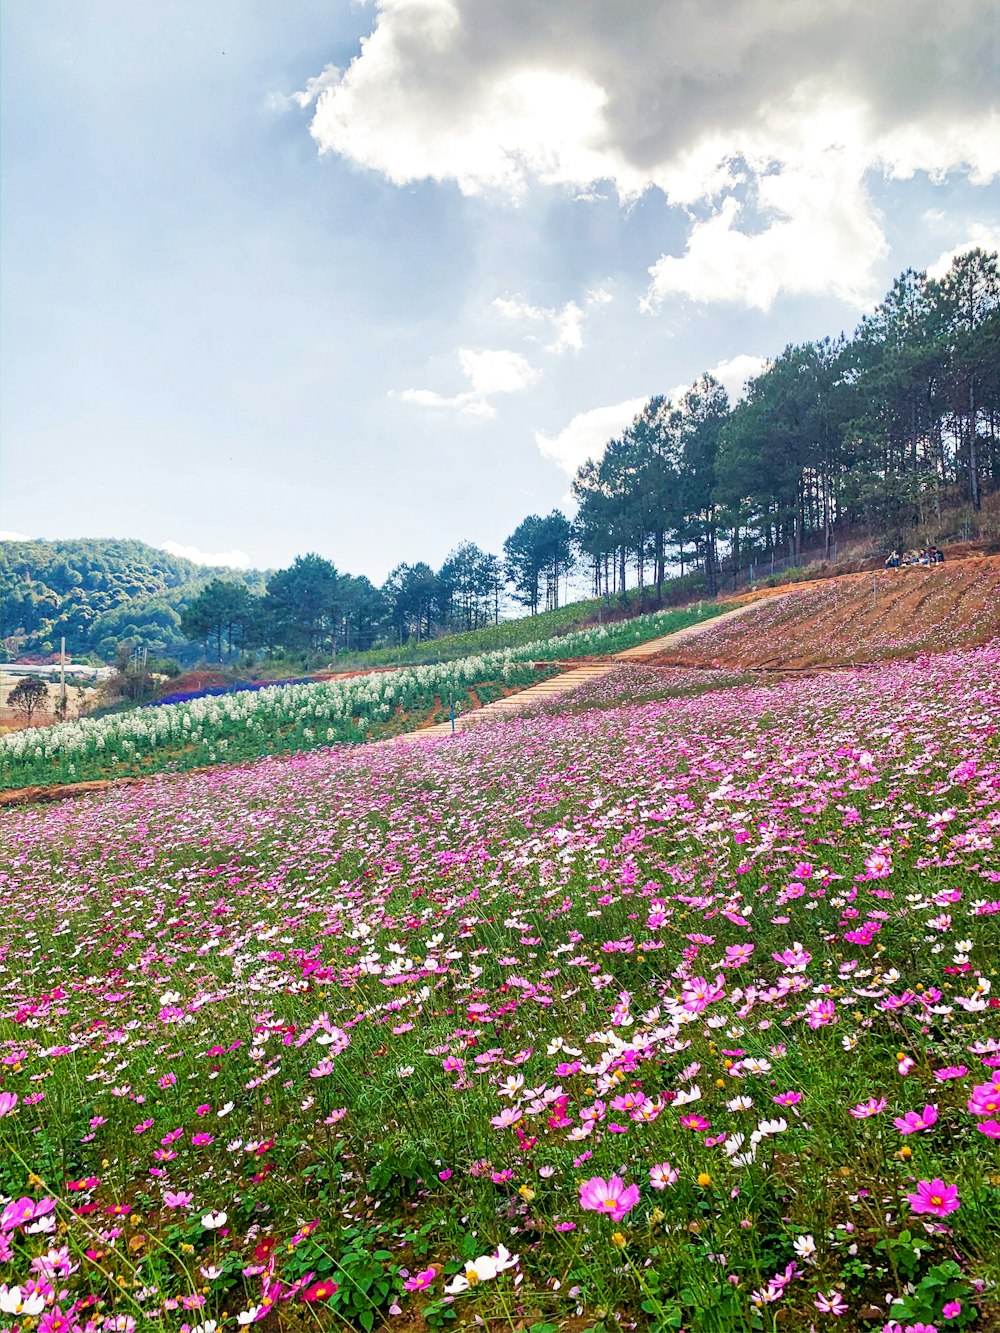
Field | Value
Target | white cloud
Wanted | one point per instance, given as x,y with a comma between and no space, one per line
14,537
585,436
566,324
587,433
230,559
489,372
822,236
732,375
771,115
985,236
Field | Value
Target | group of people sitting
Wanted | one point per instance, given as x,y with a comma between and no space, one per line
931,556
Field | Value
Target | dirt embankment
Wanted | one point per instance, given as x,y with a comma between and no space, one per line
857,618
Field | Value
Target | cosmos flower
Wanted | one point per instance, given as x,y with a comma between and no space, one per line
611,1197
934,1197
914,1121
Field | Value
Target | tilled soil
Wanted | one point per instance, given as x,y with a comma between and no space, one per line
856,619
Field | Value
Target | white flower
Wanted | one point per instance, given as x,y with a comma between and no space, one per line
12,1301
216,1218
804,1246
481,1270
772,1126
248,1316
224,1110
740,1104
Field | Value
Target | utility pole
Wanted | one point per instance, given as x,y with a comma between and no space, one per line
62,677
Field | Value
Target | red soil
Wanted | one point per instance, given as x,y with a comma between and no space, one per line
856,618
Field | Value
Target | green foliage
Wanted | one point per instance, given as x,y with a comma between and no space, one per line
101,593
942,1284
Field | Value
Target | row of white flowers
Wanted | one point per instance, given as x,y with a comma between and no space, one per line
319,710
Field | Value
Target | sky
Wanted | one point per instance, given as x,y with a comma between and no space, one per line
371,279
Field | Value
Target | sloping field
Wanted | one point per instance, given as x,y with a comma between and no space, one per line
857,618
677,1015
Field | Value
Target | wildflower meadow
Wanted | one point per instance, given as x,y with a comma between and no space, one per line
678,1014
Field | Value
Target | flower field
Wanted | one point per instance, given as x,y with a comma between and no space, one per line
672,1015
860,618
245,724
632,683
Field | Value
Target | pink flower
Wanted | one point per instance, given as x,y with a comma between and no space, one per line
831,1303
696,1122
8,1100
952,1309
510,1115
865,1109
916,1120
788,1098
991,1128
200,1140
878,865
952,1071
611,1197
662,1175
420,1281
935,1197
177,1199
21,1211
985,1099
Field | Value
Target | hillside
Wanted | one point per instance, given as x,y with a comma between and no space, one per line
856,618
98,592
645,1019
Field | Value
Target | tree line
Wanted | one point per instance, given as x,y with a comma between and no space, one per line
313,608
874,431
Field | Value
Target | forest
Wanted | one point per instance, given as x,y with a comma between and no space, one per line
874,433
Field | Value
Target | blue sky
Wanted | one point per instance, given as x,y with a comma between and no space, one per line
372,279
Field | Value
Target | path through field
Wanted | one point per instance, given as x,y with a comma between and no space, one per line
567,681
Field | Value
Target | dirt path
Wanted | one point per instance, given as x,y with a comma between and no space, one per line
643,651
512,703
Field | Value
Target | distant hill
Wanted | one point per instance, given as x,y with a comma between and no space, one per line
98,592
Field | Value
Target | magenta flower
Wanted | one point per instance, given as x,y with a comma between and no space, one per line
200,1140
952,1071
612,1197
865,1109
951,1309
831,1303
991,1128
696,1122
21,1211
420,1281
916,1120
177,1199
8,1100
934,1197
985,1099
